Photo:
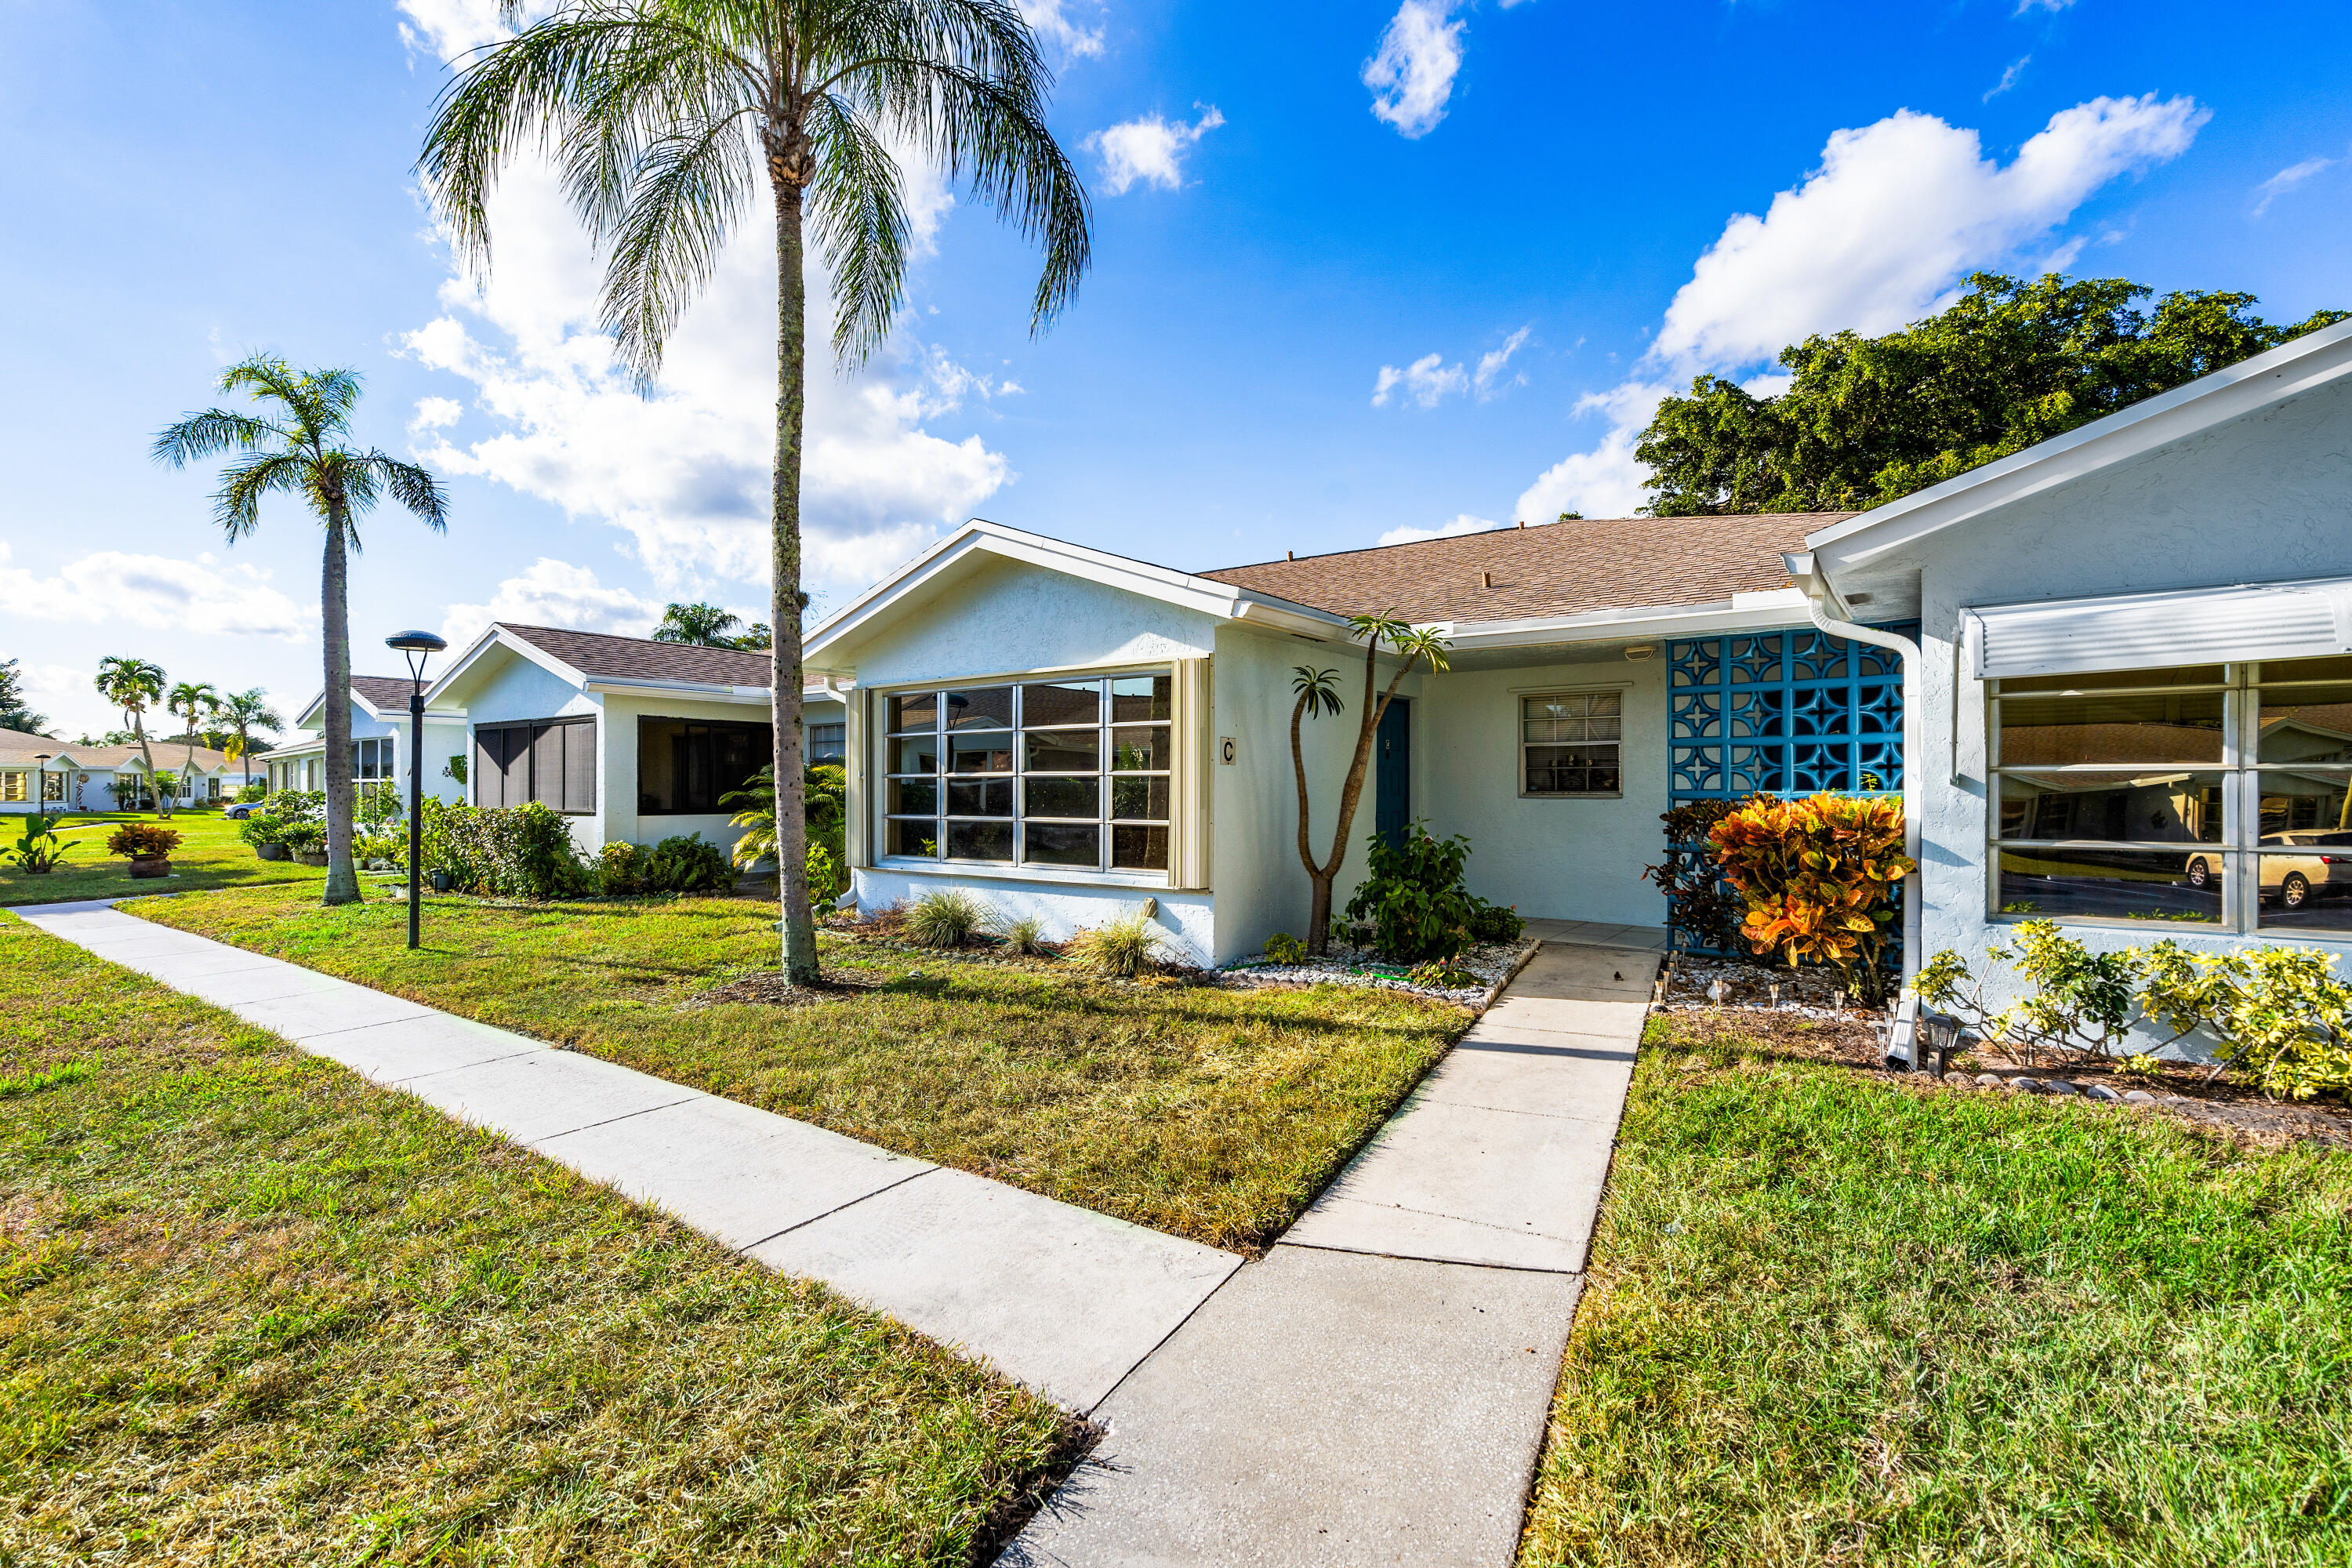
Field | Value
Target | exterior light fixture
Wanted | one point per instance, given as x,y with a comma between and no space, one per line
418,647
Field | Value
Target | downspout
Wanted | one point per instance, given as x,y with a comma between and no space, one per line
1827,612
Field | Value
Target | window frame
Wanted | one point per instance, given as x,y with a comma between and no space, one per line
531,728
882,753
2241,772
1519,701
763,750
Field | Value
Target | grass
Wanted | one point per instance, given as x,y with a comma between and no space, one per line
1832,1320
1209,1113
253,1309
210,854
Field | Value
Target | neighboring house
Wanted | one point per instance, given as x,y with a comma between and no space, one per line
65,776
636,740
1069,731
379,743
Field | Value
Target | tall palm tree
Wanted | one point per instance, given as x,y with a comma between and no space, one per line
301,447
243,712
698,625
191,700
131,684
666,113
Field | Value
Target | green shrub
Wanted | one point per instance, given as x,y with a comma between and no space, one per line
250,792
826,879
1127,946
685,864
1413,898
1284,948
377,802
1440,975
947,918
508,852
139,839
827,794
2281,1015
383,842
1497,923
620,867
2080,1003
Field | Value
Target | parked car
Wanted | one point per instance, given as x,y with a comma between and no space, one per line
2293,881
241,810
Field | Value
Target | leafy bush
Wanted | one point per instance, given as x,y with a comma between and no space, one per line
377,802
826,879
303,837
2081,1004
826,791
1024,935
288,811
509,852
1496,924
1126,947
1413,899
1284,948
1814,876
685,864
1440,975
250,792
620,867
385,843
139,839
2279,1012
947,918
1699,902
37,850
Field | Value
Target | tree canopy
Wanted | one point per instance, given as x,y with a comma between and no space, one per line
14,712
2011,363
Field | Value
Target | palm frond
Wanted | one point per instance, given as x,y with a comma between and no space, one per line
237,505
211,433
414,488
861,226
689,192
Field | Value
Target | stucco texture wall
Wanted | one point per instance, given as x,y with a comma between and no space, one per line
2264,498
1003,616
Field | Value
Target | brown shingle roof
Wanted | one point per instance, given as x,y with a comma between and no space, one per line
642,659
385,693
1552,569
17,750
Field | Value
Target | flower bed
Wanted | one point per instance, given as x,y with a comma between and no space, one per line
1492,963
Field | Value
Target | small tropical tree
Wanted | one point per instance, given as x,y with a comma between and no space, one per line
1318,693
698,625
666,114
191,700
302,446
132,684
243,712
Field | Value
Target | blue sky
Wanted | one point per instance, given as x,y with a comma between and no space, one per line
1362,270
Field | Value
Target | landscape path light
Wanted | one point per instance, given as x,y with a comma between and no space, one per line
418,647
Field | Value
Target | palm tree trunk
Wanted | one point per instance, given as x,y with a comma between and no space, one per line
147,756
335,583
784,677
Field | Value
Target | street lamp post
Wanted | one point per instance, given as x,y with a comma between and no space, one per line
419,647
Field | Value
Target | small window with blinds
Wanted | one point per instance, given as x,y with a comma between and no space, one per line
1570,744
550,761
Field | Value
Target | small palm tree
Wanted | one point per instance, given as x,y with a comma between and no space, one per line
243,712
666,114
191,700
132,684
1318,693
698,625
301,447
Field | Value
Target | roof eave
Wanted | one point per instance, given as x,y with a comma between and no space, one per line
1741,612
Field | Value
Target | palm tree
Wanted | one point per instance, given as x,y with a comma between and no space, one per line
666,113
698,625
191,700
301,448
1318,693
243,712
131,684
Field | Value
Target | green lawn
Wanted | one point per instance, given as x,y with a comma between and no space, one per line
1832,1320
1206,1113
210,854
254,1311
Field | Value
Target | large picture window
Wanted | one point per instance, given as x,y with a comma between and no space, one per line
551,761
685,767
1066,774
1570,744
2206,795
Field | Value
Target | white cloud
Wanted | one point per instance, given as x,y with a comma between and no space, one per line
1895,213
160,592
1491,364
1411,73
2286,179
1426,381
1605,481
554,594
1150,150
2008,78
435,413
1461,524
444,29
1050,20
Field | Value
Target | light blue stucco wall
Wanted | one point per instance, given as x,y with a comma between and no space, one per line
2264,498
1000,616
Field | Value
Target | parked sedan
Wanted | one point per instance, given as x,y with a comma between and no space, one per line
241,810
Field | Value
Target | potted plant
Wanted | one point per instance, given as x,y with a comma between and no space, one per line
264,830
307,840
149,845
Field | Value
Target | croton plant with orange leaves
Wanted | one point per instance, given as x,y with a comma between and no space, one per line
1816,876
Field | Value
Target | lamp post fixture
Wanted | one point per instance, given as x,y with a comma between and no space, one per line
419,647
41,783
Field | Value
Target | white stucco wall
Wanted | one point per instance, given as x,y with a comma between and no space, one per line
2264,498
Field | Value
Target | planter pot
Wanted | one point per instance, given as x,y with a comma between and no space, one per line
311,857
271,851
151,866
437,881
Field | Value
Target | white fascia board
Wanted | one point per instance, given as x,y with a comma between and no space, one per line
2269,377
494,637
313,715
1741,612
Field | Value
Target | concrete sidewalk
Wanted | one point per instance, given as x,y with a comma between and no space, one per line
1376,1391
1059,1298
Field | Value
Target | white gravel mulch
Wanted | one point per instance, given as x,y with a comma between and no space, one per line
1491,963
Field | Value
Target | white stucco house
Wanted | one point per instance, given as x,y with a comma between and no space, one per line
379,743
37,773
635,739
2111,678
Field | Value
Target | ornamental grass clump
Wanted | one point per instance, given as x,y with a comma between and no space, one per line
948,918
1814,877
1124,948
1024,936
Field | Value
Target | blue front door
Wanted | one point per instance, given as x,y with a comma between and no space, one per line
1392,771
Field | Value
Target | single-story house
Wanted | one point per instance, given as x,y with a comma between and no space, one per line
2111,678
38,772
635,739
379,743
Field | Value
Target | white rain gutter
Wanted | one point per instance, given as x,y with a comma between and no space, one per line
1821,601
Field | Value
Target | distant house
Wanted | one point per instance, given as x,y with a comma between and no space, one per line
379,743
38,772
633,739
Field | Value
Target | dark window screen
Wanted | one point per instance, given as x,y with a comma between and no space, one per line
553,760
685,767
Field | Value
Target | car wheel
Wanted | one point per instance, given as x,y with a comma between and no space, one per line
2295,891
2200,874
